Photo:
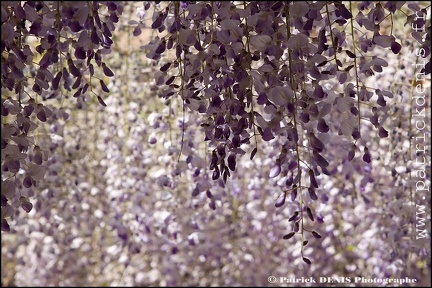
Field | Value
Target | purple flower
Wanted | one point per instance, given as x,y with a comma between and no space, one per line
183,5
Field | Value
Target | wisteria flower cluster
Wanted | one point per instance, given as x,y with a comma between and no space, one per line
214,143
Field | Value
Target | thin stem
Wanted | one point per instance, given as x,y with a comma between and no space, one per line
355,68
332,36
182,70
250,79
288,27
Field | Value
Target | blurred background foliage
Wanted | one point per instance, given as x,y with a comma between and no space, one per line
116,205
